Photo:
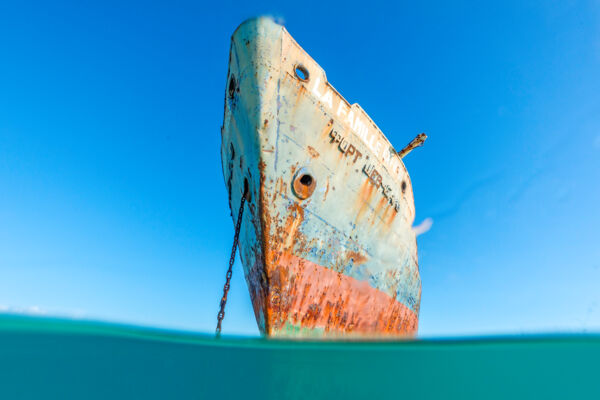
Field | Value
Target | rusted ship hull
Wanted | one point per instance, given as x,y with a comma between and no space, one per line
326,240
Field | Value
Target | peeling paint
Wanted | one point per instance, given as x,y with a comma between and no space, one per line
343,262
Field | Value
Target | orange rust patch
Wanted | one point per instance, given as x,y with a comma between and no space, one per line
391,218
326,190
312,296
313,153
279,185
386,212
327,129
294,219
301,93
282,188
357,258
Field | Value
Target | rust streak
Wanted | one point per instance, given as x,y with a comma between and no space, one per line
313,153
295,218
364,197
326,190
327,129
378,208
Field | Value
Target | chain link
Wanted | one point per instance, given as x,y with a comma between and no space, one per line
236,236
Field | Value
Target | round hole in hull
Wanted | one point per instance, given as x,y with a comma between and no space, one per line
247,190
232,87
301,72
304,183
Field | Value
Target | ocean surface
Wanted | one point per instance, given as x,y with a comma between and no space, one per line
46,358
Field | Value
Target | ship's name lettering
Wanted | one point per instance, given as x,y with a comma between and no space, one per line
345,146
369,169
372,139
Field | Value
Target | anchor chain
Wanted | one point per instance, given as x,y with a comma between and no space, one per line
236,236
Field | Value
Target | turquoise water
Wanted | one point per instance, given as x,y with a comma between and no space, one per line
64,359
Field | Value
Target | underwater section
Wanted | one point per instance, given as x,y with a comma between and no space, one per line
74,359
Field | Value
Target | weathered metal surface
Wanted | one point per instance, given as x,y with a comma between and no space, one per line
327,244
416,142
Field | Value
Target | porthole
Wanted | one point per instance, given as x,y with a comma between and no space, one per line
301,72
247,190
232,87
304,184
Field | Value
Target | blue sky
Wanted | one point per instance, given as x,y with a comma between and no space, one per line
112,201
